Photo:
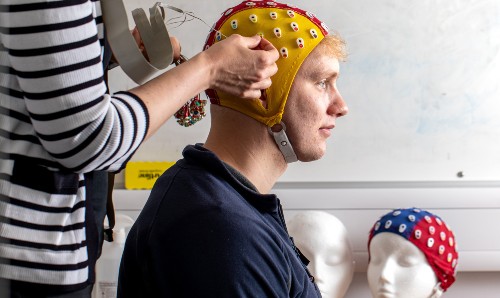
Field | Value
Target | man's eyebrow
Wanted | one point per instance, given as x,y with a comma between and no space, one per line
326,74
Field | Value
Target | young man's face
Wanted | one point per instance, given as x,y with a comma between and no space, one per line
313,104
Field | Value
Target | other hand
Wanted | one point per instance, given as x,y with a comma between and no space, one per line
176,46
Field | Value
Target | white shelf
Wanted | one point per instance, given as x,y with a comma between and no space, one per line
472,212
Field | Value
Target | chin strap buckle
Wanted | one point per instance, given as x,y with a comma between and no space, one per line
282,141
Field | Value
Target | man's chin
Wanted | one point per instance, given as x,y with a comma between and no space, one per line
311,156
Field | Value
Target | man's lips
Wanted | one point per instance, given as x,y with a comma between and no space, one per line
326,130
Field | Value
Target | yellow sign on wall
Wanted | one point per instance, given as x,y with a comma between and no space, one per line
143,174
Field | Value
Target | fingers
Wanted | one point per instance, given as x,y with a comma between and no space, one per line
250,94
138,40
269,49
266,45
265,66
243,66
264,57
261,85
137,36
176,46
249,42
269,69
255,90
267,57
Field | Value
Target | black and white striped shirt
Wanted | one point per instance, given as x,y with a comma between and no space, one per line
56,123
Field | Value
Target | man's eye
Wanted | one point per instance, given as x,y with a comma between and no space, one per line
322,84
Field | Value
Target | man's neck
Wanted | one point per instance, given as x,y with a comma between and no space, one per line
252,152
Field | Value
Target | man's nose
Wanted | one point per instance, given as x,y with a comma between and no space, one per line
338,106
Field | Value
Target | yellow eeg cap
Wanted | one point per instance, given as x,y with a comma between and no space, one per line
294,32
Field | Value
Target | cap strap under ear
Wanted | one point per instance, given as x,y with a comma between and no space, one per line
283,143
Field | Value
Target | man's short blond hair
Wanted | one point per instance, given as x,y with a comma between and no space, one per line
334,45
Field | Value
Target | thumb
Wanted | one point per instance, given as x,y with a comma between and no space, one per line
269,49
266,45
252,42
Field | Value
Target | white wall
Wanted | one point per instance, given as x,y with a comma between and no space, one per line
421,82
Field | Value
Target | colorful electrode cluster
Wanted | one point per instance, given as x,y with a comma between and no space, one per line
429,233
193,110
293,32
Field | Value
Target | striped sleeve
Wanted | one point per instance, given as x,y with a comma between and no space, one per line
54,50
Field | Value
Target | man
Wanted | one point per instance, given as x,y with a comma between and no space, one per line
210,227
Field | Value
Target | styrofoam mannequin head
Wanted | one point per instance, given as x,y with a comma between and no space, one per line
398,268
323,239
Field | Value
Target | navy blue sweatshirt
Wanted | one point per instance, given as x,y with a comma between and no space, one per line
206,232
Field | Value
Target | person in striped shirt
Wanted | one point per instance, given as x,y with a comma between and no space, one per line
58,126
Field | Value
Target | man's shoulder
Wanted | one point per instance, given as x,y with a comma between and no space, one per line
193,184
187,176
212,209
182,194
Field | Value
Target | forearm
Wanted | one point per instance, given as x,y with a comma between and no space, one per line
240,66
165,94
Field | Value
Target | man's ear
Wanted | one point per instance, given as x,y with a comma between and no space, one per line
436,291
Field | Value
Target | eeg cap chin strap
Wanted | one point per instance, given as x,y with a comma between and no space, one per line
282,142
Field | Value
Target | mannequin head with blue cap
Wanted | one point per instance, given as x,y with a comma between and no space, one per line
412,254
287,109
